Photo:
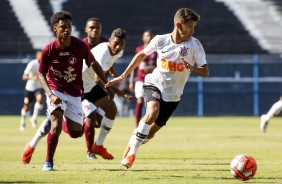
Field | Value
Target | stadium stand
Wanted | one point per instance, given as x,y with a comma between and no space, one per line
13,41
219,30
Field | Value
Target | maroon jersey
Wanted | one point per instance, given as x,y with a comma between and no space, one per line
102,39
64,66
149,61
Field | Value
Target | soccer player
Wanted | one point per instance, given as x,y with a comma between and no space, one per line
179,55
106,54
96,105
93,30
33,91
275,109
60,74
145,67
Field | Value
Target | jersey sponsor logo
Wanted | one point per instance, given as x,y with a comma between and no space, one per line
64,53
55,61
156,95
183,51
172,66
69,76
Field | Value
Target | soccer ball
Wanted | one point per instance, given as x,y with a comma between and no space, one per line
243,167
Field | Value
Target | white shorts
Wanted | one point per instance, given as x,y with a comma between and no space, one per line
88,107
139,91
71,106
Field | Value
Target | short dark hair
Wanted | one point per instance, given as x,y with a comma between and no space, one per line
95,19
61,15
186,14
119,33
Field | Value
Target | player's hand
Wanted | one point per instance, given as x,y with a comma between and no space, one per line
114,81
55,99
187,65
129,97
110,93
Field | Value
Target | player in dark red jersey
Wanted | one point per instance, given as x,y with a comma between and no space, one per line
60,74
145,67
93,29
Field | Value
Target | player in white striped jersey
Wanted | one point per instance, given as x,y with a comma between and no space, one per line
179,55
33,91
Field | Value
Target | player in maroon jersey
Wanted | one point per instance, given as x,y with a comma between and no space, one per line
60,74
93,29
145,67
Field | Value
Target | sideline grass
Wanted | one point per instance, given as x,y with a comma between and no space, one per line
188,150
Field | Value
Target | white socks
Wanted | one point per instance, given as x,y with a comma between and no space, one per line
43,130
106,126
37,108
274,110
23,115
136,140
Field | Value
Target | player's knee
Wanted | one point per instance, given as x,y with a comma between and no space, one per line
55,130
152,116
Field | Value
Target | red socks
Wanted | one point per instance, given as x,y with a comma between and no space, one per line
52,142
89,136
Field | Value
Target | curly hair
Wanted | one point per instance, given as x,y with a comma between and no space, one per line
61,15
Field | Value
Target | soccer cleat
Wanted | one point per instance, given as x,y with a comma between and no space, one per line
27,154
263,123
126,151
48,166
100,150
91,155
33,123
128,161
22,128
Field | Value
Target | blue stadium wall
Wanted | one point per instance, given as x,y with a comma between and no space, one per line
219,97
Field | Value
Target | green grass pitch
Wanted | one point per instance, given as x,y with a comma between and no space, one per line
187,150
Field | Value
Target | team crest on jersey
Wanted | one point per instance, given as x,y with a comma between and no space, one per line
156,95
184,51
72,60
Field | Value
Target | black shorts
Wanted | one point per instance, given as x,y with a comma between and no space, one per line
152,93
30,96
96,93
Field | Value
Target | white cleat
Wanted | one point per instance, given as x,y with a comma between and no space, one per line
22,128
91,155
263,123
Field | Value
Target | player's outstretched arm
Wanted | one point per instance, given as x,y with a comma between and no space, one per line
132,65
202,71
123,94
